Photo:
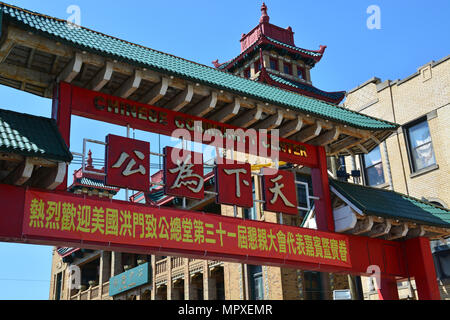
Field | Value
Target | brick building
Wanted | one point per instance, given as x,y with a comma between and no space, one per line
415,159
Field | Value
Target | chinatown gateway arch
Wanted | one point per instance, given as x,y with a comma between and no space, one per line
267,89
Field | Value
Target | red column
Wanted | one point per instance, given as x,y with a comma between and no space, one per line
388,289
62,112
421,267
321,187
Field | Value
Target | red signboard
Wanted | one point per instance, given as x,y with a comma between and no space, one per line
63,219
280,191
127,163
234,185
183,174
55,216
111,109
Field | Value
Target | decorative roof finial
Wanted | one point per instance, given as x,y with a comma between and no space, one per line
89,160
264,17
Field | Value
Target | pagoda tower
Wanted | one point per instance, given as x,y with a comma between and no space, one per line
90,183
269,55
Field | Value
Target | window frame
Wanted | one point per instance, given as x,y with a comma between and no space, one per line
253,277
252,213
365,168
409,150
247,73
275,61
289,68
257,66
302,71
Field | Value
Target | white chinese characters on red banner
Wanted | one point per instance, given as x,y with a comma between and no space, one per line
234,185
127,163
280,191
182,176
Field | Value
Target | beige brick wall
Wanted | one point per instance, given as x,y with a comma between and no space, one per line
405,101
425,94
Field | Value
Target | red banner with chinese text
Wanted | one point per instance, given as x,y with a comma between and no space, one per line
72,218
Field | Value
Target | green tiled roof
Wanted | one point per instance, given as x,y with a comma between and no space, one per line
393,205
308,52
31,136
91,41
302,86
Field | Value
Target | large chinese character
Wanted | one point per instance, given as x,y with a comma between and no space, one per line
151,227
37,214
68,217
280,191
131,167
53,215
183,178
199,232
98,220
234,185
126,227
127,163
84,219
112,222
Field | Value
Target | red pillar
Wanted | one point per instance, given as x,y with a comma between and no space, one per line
421,267
321,187
62,112
388,289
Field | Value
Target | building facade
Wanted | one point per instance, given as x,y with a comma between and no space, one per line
415,159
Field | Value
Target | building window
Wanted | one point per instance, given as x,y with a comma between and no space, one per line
420,146
247,73
251,214
288,68
274,64
373,168
256,282
58,286
300,73
313,286
302,194
257,67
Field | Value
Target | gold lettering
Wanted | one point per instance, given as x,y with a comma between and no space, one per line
99,103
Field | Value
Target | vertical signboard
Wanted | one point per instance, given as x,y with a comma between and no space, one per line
127,163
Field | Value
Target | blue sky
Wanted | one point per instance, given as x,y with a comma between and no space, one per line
412,34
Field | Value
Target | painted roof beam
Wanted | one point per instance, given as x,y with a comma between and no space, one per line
228,112
309,133
102,77
49,178
291,127
21,174
363,226
130,85
157,92
398,232
182,99
5,49
272,122
380,229
72,69
347,143
327,138
249,118
205,106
